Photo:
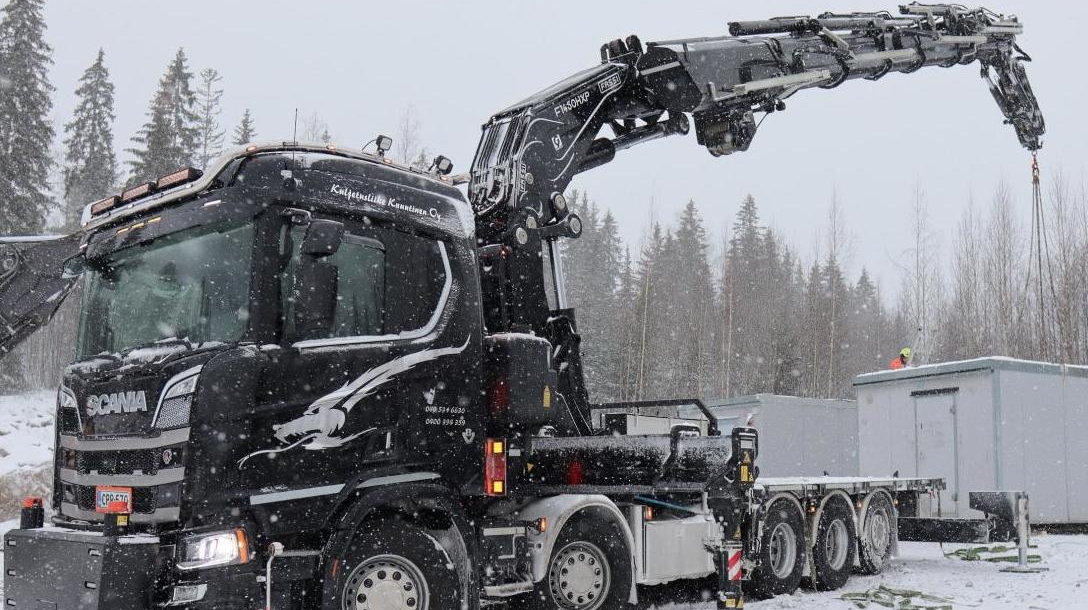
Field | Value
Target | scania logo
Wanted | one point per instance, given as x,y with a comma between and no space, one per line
118,402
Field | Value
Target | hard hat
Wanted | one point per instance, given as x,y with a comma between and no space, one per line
905,352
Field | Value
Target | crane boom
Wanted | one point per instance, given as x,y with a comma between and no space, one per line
529,152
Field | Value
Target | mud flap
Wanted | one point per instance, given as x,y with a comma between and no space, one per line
33,284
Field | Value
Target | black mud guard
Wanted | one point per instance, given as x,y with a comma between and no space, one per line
431,505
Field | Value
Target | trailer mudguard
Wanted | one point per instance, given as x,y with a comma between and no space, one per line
863,513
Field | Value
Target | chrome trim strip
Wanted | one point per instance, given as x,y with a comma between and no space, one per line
398,478
412,334
504,531
661,68
161,515
167,475
295,494
168,437
187,373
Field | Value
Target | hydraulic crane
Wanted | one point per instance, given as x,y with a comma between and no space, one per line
529,153
282,374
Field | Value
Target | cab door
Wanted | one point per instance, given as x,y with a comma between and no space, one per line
33,284
382,386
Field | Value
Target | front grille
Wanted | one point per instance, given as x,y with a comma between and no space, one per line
143,498
114,462
174,412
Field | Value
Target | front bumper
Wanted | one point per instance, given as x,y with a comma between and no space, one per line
65,569
73,570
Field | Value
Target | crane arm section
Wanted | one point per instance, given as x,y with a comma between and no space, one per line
529,152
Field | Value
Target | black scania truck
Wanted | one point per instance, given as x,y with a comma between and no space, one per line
310,377
286,385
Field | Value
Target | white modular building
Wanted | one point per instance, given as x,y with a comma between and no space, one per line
798,437
985,424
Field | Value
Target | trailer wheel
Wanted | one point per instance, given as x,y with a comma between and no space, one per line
833,551
877,535
393,565
782,555
590,569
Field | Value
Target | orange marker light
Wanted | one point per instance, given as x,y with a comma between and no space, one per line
495,467
243,545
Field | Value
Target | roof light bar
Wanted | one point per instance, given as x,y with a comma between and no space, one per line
103,205
136,192
179,177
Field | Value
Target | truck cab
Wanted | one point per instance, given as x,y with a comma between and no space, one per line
256,343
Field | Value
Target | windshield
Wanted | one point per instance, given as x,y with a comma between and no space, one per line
192,285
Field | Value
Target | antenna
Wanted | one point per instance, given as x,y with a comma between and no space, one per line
294,135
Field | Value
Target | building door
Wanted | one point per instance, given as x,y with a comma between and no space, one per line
936,456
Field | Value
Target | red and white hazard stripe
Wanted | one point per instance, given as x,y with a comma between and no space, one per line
734,565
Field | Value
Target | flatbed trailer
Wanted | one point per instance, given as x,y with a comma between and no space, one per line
822,529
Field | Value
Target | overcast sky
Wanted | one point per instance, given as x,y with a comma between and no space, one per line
357,64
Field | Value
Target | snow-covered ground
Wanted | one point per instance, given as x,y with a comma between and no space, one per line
923,567
26,431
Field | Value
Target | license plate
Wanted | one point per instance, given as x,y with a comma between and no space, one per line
113,499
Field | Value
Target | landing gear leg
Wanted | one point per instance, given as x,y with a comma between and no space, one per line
728,559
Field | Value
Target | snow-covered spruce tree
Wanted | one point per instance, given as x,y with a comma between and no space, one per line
209,106
26,133
90,164
245,132
693,304
168,141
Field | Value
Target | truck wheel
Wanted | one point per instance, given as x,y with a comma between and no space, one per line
833,551
393,565
590,569
781,560
877,535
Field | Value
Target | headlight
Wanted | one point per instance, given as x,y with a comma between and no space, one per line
214,549
182,387
69,412
67,398
176,400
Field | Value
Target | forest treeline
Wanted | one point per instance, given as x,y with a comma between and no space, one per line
681,312
683,316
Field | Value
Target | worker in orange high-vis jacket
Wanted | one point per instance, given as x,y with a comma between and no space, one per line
901,360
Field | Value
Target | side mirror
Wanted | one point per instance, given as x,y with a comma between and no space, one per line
323,238
316,287
317,281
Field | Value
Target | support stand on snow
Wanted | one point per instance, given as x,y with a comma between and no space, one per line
1023,532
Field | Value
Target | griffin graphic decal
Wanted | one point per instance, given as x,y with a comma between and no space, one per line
316,429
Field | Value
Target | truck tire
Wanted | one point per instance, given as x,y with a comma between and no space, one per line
781,560
392,564
876,538
590,569
833,550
